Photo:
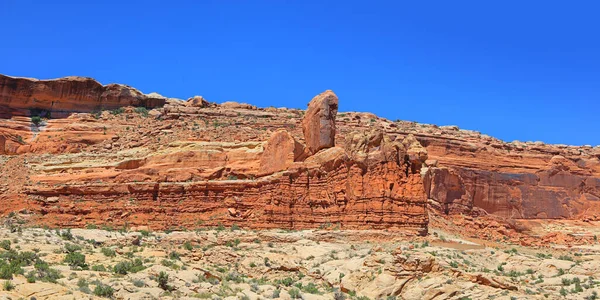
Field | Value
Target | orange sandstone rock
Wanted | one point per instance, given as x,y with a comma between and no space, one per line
318,124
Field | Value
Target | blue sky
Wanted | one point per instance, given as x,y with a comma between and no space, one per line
516,70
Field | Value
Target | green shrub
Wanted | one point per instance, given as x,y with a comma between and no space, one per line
234,277
75,259
163,280
99,268
125,267
36,120
188,246
117,111
5,244
45,273
66,234
287,281
311,288
108,252
139,283
174,255
103,290
30,277
563,292
70,248
276,293
8,286
142,111
294,293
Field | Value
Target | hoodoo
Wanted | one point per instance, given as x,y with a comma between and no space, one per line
318,125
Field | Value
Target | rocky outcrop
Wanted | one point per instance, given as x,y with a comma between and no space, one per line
197,101
26,97
194,160
327,188
533,181
318,124
281,151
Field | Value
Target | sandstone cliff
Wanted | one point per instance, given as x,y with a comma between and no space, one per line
26,97
196,163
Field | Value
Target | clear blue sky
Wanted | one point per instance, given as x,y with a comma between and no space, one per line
516,70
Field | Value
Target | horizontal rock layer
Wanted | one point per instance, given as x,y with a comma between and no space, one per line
331,190
26,97
236,163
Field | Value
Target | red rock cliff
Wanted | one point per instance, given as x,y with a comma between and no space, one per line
199,162
21,96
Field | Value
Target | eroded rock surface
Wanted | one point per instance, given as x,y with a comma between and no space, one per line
318,124
267,167
26,96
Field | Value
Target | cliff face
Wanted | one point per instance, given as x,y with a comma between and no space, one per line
196,163
513,180
26,97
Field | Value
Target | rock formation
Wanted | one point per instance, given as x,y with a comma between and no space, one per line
281,151
318,124
185,162
26,97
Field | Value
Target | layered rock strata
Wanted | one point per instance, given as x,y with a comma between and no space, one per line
58,97
190,161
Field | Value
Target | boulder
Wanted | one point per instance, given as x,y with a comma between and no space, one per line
318,125
197,101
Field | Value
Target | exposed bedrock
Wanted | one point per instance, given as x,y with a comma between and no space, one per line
194,160
25,96
539,184
368,187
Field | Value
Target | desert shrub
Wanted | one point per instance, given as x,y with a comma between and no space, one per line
163,280
30,277
311,288
287,281
36,120
75,259
117,111
276,293
174,255
563,292
294,293
142,111
5,244
125,267
108,252
8,286
70,248
45,273
234,277
11,262
66,234
103,290
99,268
188,246
139,283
